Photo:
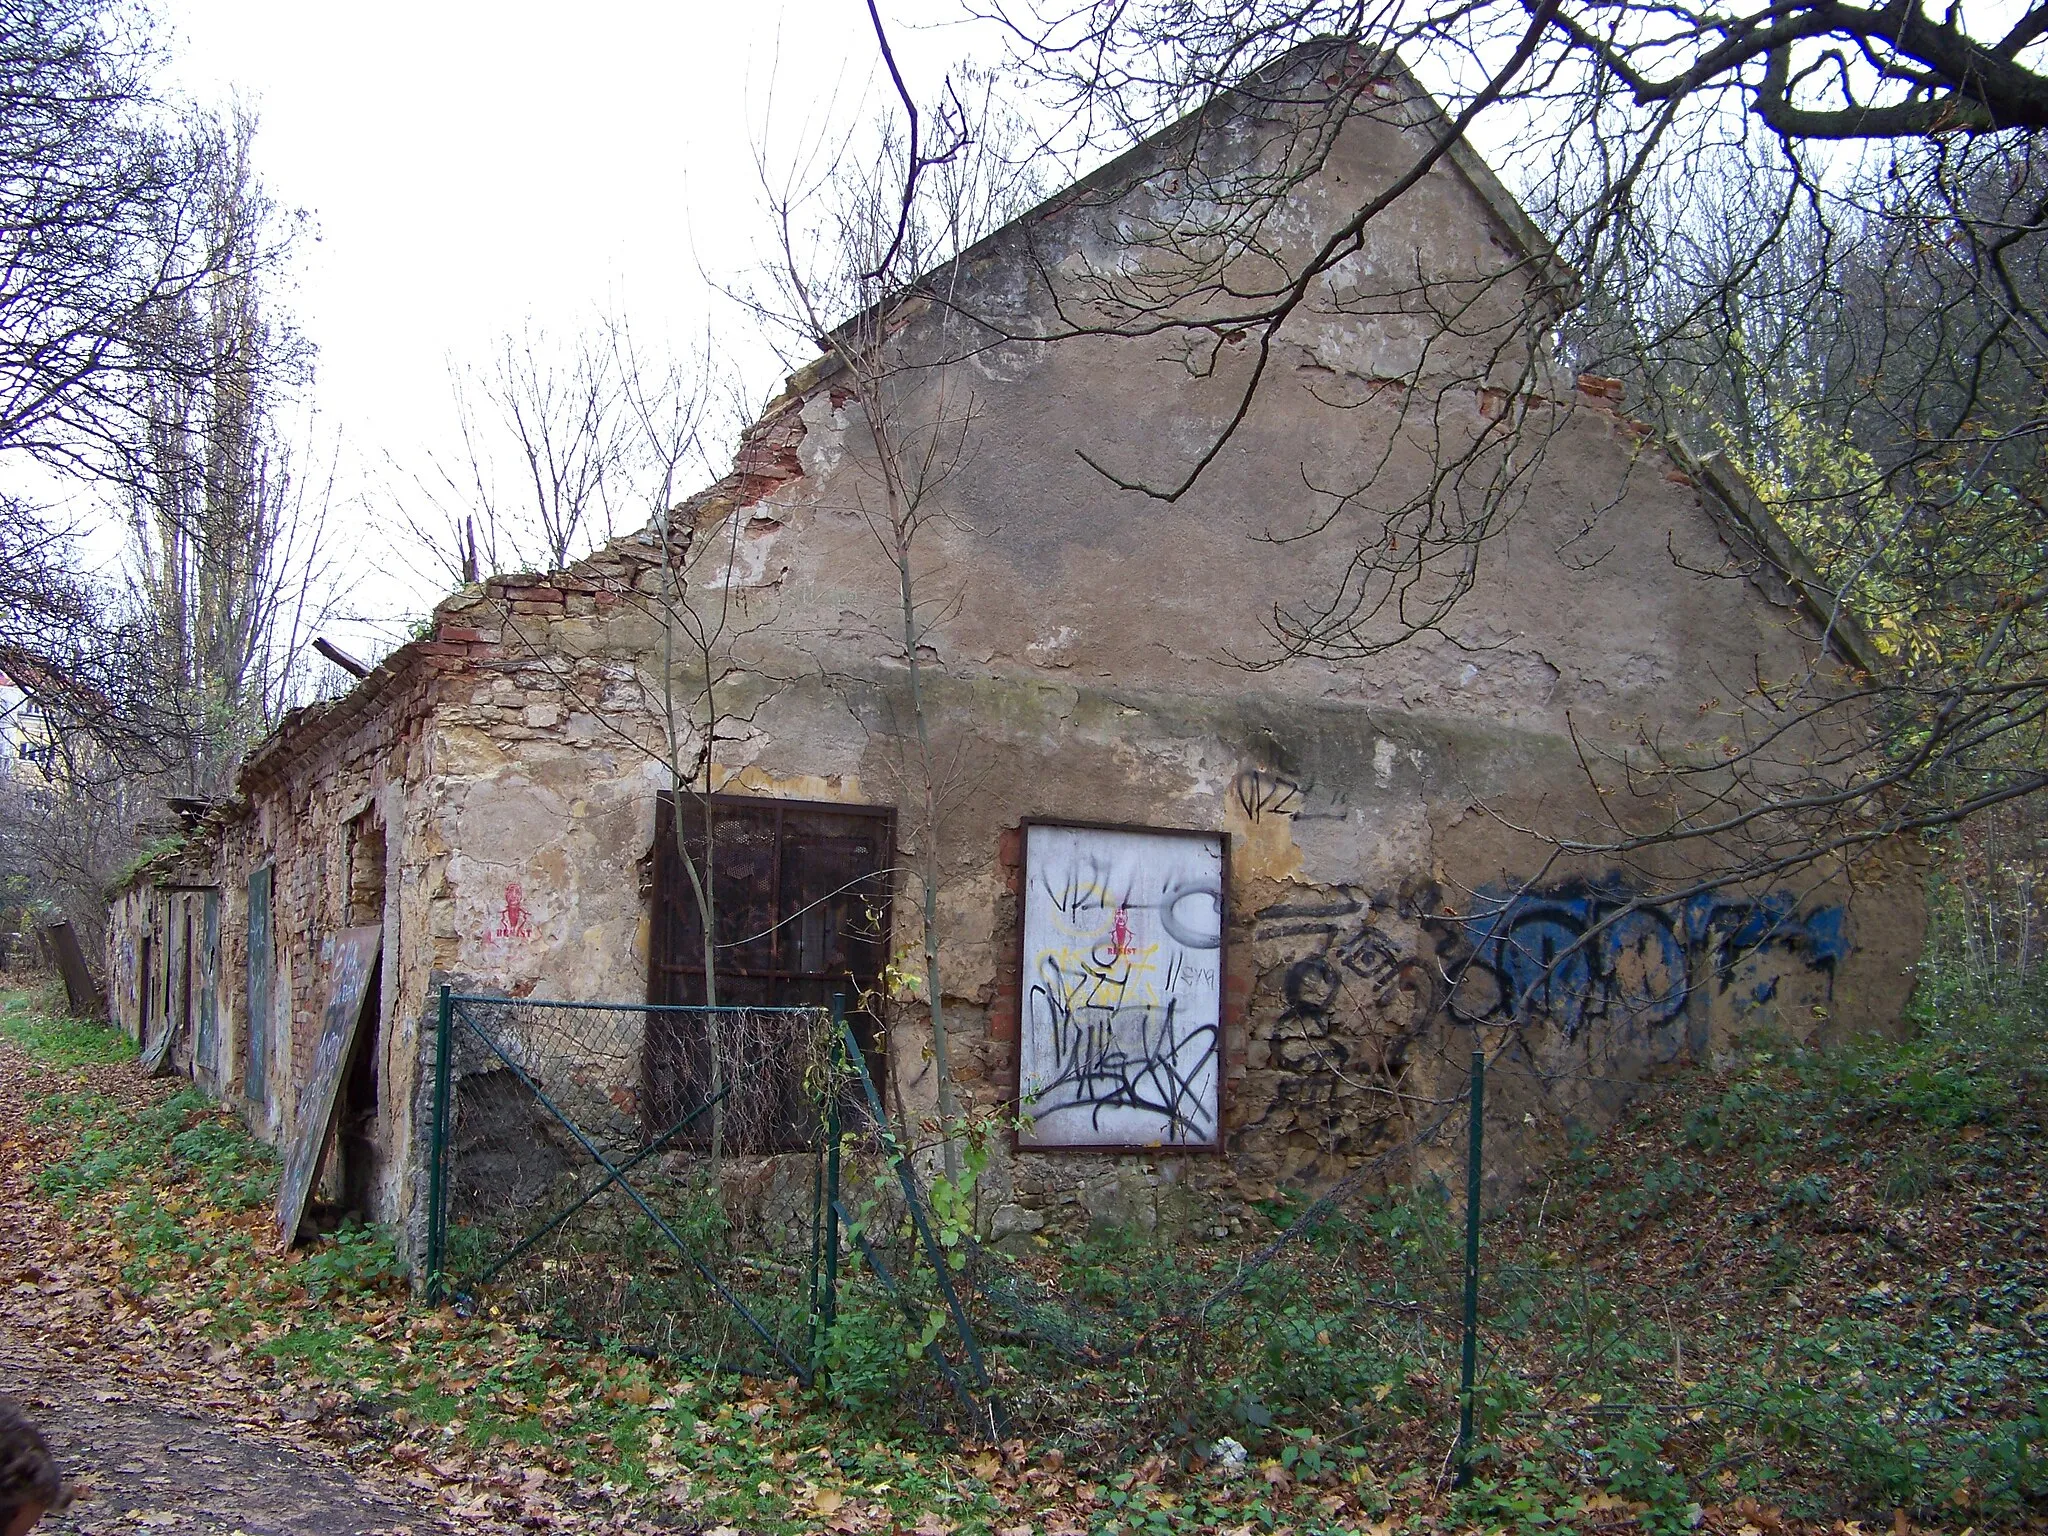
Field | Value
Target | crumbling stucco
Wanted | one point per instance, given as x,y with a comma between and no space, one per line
1091,663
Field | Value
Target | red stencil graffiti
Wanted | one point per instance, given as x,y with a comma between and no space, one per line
1120,934
514,922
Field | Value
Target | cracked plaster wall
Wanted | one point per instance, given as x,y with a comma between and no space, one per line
303,805
1086,662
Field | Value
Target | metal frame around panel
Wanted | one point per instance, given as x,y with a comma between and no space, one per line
1214,1148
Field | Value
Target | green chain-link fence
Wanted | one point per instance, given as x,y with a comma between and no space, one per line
684,1181
654,1176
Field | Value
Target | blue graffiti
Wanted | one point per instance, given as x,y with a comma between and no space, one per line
1583,950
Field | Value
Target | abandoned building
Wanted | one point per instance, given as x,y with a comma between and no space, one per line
1198,918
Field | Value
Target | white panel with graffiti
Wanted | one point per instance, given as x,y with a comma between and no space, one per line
1122,988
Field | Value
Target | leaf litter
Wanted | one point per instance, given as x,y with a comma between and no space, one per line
136,1225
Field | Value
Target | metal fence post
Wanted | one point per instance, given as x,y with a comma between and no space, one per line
1470,1365
828,1300
813,1276
437,1175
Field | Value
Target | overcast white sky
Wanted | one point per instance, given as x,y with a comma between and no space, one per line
468,166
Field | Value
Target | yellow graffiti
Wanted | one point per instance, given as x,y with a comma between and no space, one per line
1078,976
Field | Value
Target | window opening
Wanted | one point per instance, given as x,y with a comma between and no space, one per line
802,896
262,967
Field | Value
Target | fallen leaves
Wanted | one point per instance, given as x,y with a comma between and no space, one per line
635,1445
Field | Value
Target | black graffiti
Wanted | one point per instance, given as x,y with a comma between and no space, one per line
1572,953
1190,910
1268,792
1192,914
1111,1020
1263,792
1346,950
1110,1055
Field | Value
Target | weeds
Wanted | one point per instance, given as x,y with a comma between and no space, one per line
41,1028
1814,1282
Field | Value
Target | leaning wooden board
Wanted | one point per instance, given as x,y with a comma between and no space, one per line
353,963
80,990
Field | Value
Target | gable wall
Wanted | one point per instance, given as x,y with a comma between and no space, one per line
1085,661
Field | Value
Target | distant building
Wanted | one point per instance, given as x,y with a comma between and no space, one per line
28,745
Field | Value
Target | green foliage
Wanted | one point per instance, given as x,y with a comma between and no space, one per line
867,1350
158,848
1808,1192
115,1145
950,1201
237,1173
1678,1332
1532,1497
1662,1190
1631,1463
54,1040
354,1258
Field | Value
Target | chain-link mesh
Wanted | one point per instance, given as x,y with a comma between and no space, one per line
725,1185
650,1176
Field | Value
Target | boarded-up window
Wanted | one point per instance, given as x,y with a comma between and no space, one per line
801,895
256,1071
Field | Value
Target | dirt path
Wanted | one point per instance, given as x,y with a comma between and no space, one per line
179,1428
166,1438
154,1465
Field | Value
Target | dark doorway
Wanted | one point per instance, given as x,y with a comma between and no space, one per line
359,1152
802,897
355,1121
145,1029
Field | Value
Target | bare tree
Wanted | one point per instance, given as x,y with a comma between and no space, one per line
102,208
232,560
1811,232
551,449
704,618
860,229
154,686
102,215
634,424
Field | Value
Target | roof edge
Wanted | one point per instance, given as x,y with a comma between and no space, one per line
1465,161
1719,478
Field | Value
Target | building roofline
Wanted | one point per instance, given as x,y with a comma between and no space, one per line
1528,237
311,724
1719,479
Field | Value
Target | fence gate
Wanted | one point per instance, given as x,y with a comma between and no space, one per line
655,1176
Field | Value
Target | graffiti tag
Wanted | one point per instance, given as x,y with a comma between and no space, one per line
1569,953
1122,1007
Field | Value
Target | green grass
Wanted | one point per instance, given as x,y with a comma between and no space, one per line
57,1041
176,1194
1806,1280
